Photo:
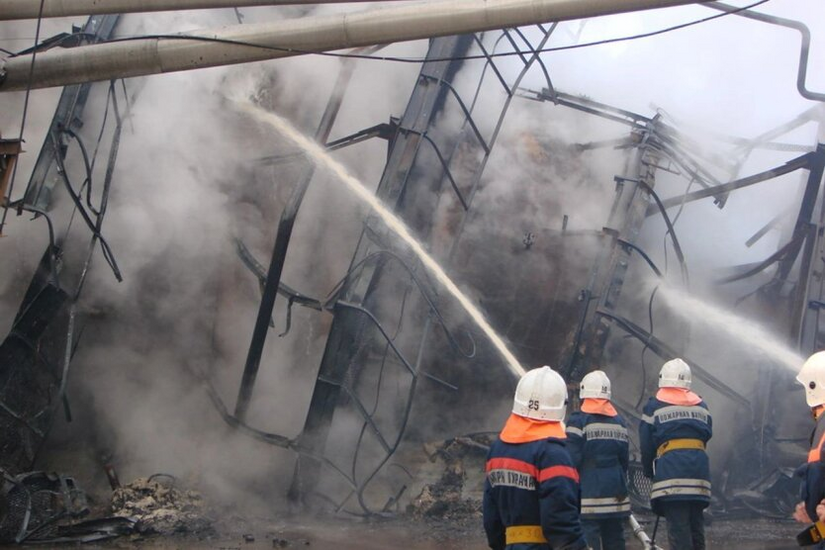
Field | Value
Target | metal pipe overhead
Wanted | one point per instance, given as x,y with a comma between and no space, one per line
152,55
29,9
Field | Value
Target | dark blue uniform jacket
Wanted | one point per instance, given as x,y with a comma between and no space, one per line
532,483
813,473
599,448
678,475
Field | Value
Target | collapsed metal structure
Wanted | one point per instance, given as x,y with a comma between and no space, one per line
387,315
36,354
381,278
436,205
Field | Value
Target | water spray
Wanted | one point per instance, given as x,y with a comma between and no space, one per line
737,327
322,158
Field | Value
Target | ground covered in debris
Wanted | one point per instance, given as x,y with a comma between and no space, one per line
159,507
249,534
443,512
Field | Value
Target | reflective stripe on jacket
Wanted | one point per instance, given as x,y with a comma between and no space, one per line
532,483
599,448
679,474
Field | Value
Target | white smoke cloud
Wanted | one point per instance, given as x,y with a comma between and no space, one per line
186,184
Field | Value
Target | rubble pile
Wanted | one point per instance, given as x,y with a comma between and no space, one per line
457,493
161,508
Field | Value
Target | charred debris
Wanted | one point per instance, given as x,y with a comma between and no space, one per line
398,357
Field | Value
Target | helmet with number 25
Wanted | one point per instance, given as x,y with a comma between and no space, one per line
541,394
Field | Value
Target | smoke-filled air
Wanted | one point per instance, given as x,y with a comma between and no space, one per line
261,288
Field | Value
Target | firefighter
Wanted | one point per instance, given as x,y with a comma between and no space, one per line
676,426
597,439
531,495
812,377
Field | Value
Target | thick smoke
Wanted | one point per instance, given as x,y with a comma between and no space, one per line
730,77
188,182
716,79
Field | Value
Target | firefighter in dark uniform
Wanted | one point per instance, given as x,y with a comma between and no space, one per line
531,495
597,440
812,377
675,428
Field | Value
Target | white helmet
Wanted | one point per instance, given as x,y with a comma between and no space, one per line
675,374
541,394
595,384
812,376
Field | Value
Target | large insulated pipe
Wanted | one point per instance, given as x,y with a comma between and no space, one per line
30,9
152,55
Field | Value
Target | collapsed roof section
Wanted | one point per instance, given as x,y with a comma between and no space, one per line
392,327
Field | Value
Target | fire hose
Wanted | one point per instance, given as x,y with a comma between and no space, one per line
640,534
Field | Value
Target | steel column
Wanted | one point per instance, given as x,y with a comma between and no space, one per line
282,238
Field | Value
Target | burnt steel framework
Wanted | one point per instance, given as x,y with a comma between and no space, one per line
434,169
384,279
36,354
418,195
371,286
655,143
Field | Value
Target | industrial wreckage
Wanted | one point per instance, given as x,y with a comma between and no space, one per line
553,299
